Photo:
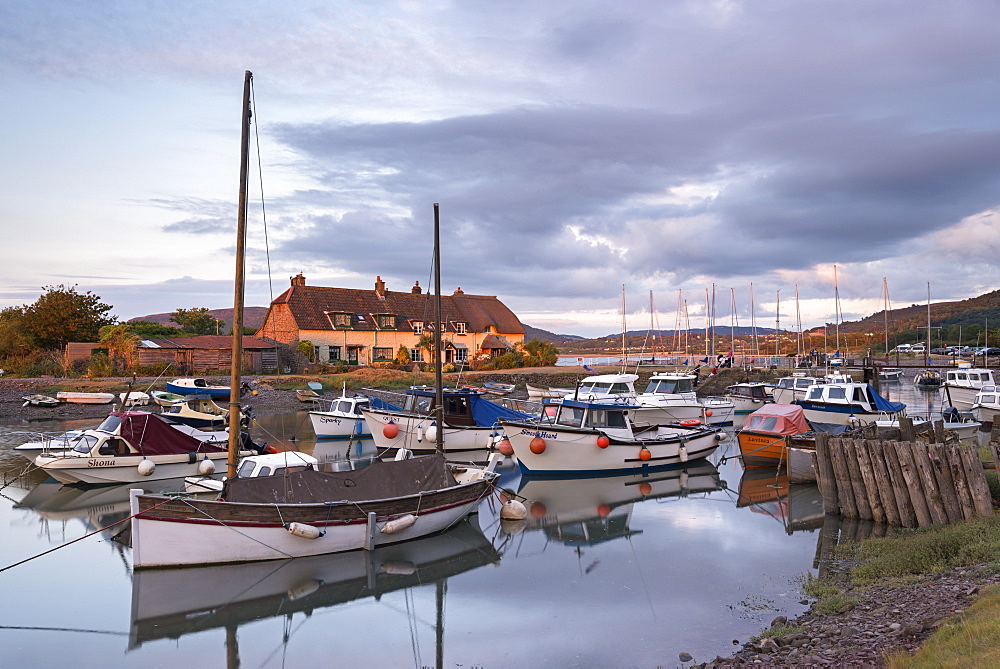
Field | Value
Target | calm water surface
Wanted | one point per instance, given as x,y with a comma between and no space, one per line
622,571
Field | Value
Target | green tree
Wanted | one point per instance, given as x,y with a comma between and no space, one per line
121,343
13,339
426,342
196,321
402,356
151,329
306,348
62,315
541,353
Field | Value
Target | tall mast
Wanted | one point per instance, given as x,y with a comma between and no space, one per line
438,380
927,349
777,323
798,324
624,330
235,375
885,307
753,323
836,305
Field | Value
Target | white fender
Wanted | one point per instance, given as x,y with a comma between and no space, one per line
304,589
513,510
206,467
146,467
303,530
431,432
401,567
682,453
399,524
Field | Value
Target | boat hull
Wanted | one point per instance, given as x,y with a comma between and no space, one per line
761,449
125,469
86,398
960,397
411,434
168,533
801,464
332,425
576,451
183,389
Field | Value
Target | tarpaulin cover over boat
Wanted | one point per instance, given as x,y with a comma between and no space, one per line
380,480
882,404
485,412
154,436
783,419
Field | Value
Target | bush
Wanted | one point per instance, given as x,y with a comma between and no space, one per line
99,365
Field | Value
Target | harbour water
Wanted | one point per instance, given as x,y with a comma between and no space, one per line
604,572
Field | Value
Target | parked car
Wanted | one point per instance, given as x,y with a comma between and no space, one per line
941,350
989,351
903,348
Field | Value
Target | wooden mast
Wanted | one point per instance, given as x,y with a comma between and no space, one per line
235,375
438,380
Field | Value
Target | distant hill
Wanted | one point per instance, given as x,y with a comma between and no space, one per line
253,317
537,333
971,311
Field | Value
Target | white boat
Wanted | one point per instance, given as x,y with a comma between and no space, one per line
800,463
265,464
965,430
394,501
165,399
200,411
794,387
141,447
197,386
847,404
134,398
961,385
599,437
85,398
543,392
928,379
470,423
890,374
986,407
343,419
670,398
39,401
748,397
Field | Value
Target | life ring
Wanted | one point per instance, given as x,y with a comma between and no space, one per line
691,422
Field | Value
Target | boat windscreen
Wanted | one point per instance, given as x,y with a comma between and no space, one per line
111,423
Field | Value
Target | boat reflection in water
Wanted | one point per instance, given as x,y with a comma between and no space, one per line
591,510
766,490
171,603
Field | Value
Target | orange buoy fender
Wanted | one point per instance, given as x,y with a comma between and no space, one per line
644,454
390,430
603,441
691,422
538,510
708,412
645,488
603,510
505,448
537,445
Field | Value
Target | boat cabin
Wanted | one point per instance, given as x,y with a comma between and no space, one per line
969,377
607,385
351,406
750,391
671,384
462,406
271,464
988,396
848,398
610,418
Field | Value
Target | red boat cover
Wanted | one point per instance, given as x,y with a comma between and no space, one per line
783,419
153,436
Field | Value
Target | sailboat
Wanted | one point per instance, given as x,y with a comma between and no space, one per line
305,512
928,379
887,373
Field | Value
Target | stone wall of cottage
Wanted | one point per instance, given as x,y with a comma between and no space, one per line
279,325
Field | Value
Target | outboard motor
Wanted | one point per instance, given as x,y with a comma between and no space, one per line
951,415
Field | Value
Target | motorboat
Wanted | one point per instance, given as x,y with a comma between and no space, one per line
890,374
85,398
470,422
769,431
133,446
847,404
670,397
265,464
196,386
164,399
748,397
307,513
600,437
961,385
986,407
200,411
133,398
343,419
927,379
794,387
546,392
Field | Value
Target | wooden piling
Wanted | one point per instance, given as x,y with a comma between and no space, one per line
906,430
932,495
824,474
871,486
939,435
907,516
851,448
982,501
945,482
913,483
845,492
881,473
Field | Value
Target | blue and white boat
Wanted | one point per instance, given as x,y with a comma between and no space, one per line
344,420
196,386
849,403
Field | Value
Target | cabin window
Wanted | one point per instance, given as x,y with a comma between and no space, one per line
786,383
803,383
961,377
858,395
386,321
837,393
988,399
763,423
815,394
246,469
570,416
382,354
110,424
416,355
460,327
345,407
342,320
85,444
264,471
456,406
606,419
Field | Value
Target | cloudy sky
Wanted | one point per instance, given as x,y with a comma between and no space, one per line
573,146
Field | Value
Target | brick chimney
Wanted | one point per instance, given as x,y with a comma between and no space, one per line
416,290
298,280
459,291
379,286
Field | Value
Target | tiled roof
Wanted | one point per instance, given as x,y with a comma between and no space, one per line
206,342
309,306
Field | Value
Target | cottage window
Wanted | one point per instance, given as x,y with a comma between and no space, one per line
386,321
382,354
416,355
334,353
460,327
418,328
342,320
461,355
